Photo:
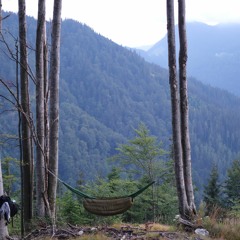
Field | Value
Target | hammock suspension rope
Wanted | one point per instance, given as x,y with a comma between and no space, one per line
105,206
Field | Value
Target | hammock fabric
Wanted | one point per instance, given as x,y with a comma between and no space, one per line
107,206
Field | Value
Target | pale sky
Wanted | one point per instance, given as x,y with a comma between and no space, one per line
134,23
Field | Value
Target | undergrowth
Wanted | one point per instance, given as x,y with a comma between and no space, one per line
222,226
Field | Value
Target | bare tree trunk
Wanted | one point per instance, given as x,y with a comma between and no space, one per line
46,123
40,121
186,148
27,152
54,106
176,128
3,227
0,16
180,115
19,134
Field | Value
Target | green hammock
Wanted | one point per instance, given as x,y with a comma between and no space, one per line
107,206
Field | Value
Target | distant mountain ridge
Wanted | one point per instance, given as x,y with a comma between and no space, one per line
106,91
213,54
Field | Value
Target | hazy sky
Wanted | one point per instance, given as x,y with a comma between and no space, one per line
134,23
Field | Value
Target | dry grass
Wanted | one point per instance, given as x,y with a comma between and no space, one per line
85,237
98,236
227,228
156,227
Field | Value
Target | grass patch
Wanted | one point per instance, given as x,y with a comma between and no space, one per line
219,227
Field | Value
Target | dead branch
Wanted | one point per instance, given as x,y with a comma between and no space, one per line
14,58
3,18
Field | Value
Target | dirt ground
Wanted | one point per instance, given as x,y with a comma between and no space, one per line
121,232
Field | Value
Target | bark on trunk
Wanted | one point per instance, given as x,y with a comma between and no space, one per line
186,148
46,123
176,128
3,227
0,16
26,133
54,106
40,164
180,123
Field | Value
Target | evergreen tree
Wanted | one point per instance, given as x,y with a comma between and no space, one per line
212,191
114,174
143,155
232,187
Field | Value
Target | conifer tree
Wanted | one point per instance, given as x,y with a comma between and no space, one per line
142,153
212,191
232,187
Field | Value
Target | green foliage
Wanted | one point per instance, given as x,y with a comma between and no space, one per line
145,156
234,212
232,187
114,174
106,91
141,156
14,228
212,191
11,177
142,209
158,203
222,228
70,210
166,203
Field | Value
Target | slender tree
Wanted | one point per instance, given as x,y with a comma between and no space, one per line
27,153
179,104
185,138
3,227
40,116
46,117
54,106
0,16
176,131
144,153
19,130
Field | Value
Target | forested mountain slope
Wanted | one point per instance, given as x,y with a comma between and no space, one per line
106,91
213,54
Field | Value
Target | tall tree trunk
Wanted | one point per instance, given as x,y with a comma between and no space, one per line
180,123
19,134
26,133
54,106
46,118
40,164
176,127
186,147
0,16
3,227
